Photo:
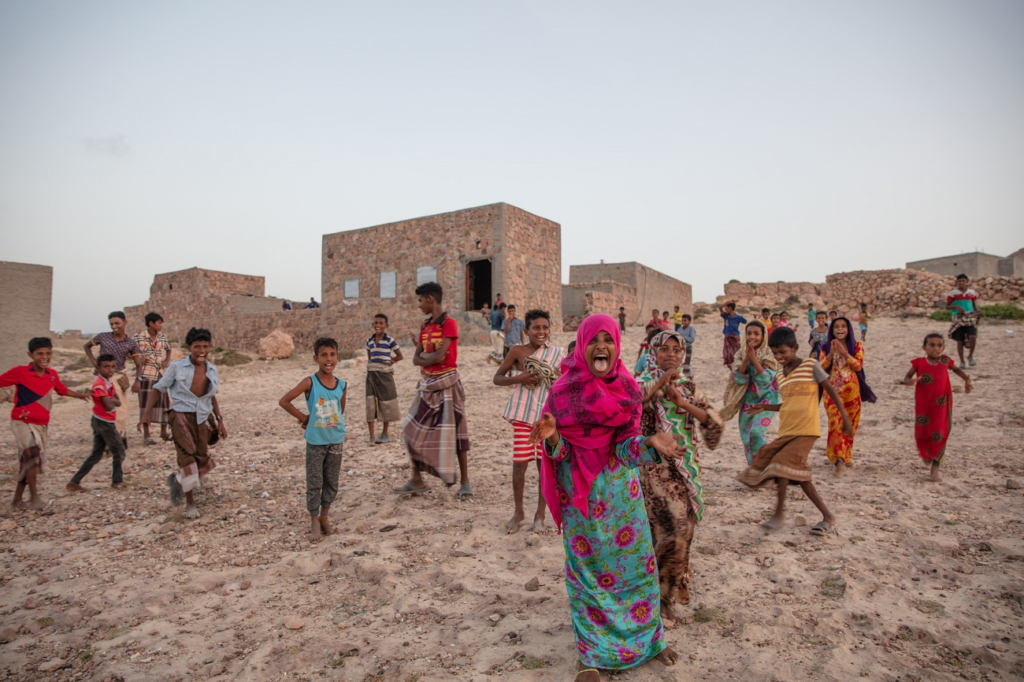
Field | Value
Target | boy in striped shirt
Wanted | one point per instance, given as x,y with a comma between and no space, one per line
539,365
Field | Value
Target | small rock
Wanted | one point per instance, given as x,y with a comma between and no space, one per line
191,560
1012,484
800,520
461,553
165,528
246,584
294,623
8,525
31,603
388,528
240,561
532,585
984,547
257,433
42,580
929,607
313,581
52,665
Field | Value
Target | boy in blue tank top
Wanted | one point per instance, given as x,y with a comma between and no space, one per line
325,433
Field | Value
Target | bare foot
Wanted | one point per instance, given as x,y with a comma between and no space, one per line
164,435
35,503
540,523
119,484
668,616
17,504
934,475
513,525
773,524
74,488
314,529
325,526
591,675
668,656
840,468
191,512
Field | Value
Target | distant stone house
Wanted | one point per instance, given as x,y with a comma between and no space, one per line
24,309
974,264
605,287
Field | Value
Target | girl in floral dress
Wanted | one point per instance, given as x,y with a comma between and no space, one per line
591,429
752,383
843,358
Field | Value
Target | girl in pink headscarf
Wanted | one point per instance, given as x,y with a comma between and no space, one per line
591,428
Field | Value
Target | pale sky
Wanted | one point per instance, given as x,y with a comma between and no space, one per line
760,141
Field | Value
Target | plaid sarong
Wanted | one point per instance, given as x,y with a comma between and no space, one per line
381,394
163,403
435,429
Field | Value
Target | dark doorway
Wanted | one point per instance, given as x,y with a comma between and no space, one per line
478,284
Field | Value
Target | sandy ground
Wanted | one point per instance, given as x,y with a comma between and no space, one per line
922,582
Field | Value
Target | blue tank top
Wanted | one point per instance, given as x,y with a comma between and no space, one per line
326,424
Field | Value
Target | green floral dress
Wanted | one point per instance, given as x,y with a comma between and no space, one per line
611,573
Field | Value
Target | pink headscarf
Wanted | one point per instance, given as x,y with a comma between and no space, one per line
592,414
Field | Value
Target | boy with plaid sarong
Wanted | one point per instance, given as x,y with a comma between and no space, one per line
156,355
435,431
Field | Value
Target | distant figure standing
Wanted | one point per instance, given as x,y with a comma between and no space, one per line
513,331
312,303
156,356
677,319
622,319
963,301
285,305
498,302
497,333
730,332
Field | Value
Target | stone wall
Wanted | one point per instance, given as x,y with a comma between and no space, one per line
524,251
911,292
653,289
774,295
610,296
24,309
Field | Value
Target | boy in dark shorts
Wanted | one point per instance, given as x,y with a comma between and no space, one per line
192,383
104,431
963,301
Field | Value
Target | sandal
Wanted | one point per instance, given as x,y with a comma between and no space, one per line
464,492
149,441
822,528
410,489
382,440
587,670
177,494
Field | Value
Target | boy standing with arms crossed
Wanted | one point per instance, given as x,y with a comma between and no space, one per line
31,415
104,432
192,383
435,430
325,433
785,458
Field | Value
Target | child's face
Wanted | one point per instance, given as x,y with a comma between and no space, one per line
327,359
686,322
784,317
764,314
511,312
539,331
839,329
155,326
833,315
655,314
198,351
665,315
116,325
785,354
677,309
775,320
601,354
863,308
754,335
41,357
379,325
669,355
933,347
107,369
821,319
962,283
426,304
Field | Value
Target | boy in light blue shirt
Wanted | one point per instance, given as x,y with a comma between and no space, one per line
325,433
689,335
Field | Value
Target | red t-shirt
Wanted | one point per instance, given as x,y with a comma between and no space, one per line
102,388
33,399
431,334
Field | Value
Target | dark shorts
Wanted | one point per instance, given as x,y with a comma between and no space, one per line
961,333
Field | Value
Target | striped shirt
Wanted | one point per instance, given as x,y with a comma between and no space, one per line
799,415
380,351
527,404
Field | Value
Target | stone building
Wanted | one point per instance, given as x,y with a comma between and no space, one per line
605,287
474,254
976,264
24,309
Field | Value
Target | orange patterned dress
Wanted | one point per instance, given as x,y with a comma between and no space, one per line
843,377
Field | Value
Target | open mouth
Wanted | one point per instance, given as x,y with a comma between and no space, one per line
602,362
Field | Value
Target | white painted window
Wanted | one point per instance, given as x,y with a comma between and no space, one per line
427,273
388,284
351,288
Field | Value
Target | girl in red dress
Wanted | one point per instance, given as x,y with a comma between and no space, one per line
933,400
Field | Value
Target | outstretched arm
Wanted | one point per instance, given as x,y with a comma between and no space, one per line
286,401
968,386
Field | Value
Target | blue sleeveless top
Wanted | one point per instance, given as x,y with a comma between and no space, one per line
326,424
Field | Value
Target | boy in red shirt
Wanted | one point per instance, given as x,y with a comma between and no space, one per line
435,432
104,429
31,415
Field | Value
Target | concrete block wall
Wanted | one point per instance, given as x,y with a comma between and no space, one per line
606,297
24,309
653,289
974,264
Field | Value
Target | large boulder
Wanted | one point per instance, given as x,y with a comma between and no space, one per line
277,345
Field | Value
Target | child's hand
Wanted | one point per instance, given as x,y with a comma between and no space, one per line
968,386
144,422
544,429
136,386
756,409
221,429
666,446
907,382
303,420
414,339
530,379
848,427
841,349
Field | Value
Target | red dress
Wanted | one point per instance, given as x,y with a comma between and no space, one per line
933,407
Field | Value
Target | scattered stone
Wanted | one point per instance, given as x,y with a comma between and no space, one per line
294,623
929,607
313,581
800,520
1012,484
388,528
277,345
246,584
532,585
834,587
52,665
494,617
42,580
166,527
191,561
984,547
240,561
8,525
31,603
461,553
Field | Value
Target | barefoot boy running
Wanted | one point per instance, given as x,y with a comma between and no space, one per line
31,415
539,365
785,458
104,431
192,383
325,433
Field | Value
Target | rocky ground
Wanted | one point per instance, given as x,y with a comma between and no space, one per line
922,582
